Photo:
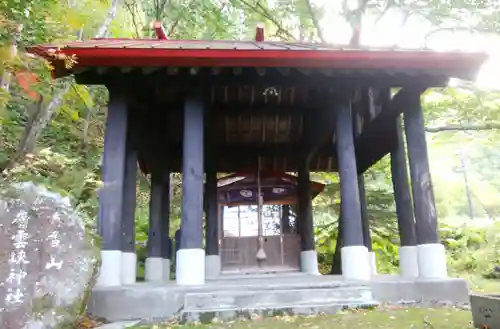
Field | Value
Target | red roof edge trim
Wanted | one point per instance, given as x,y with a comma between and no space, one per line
307,58
464,65
125,39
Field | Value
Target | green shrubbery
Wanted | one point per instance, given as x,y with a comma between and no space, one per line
471,249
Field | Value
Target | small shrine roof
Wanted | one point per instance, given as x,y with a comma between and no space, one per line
277,188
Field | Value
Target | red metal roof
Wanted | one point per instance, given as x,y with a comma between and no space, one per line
155,52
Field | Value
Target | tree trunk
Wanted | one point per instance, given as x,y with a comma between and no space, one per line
355,18
319,30
103,29
6,74
42,118
36,122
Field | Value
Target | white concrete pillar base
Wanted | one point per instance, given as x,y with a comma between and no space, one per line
372,259
432,261
408,262
212,266
166,269
129,268
355,265
110,271
154,269
190,267
309,262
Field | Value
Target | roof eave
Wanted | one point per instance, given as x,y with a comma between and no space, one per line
465,65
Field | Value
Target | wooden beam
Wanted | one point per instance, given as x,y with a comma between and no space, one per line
319,127
379,137
251,151
272,78
229,109
219,110
228,163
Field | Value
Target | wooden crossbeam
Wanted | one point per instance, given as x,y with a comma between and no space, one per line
183,78
379,138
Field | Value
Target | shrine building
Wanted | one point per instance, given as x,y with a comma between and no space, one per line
206,108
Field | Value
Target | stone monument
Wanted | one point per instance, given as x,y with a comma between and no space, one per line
47,260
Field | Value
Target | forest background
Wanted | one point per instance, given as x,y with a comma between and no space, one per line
51,132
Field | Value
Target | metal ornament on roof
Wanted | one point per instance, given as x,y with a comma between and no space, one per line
270,91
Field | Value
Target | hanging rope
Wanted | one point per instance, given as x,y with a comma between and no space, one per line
261,254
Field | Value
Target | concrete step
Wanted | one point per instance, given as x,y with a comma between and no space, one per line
222,315
252,299
229,305
280,283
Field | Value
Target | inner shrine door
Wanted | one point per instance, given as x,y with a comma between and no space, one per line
239,244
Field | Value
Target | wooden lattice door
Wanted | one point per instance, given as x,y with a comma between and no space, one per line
239,243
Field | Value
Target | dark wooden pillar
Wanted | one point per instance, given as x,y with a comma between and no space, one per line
190,263
166,242
220,232
354,253
431,254
349,189
213,263
423,194
308,256
177,238
111,197
285,219
365,221
404,209
367,238
305,210
156,233
129,257
212,243
365,102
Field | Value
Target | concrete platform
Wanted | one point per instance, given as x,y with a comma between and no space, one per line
234,296
394,289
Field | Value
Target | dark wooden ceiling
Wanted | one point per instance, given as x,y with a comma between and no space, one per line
272,124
